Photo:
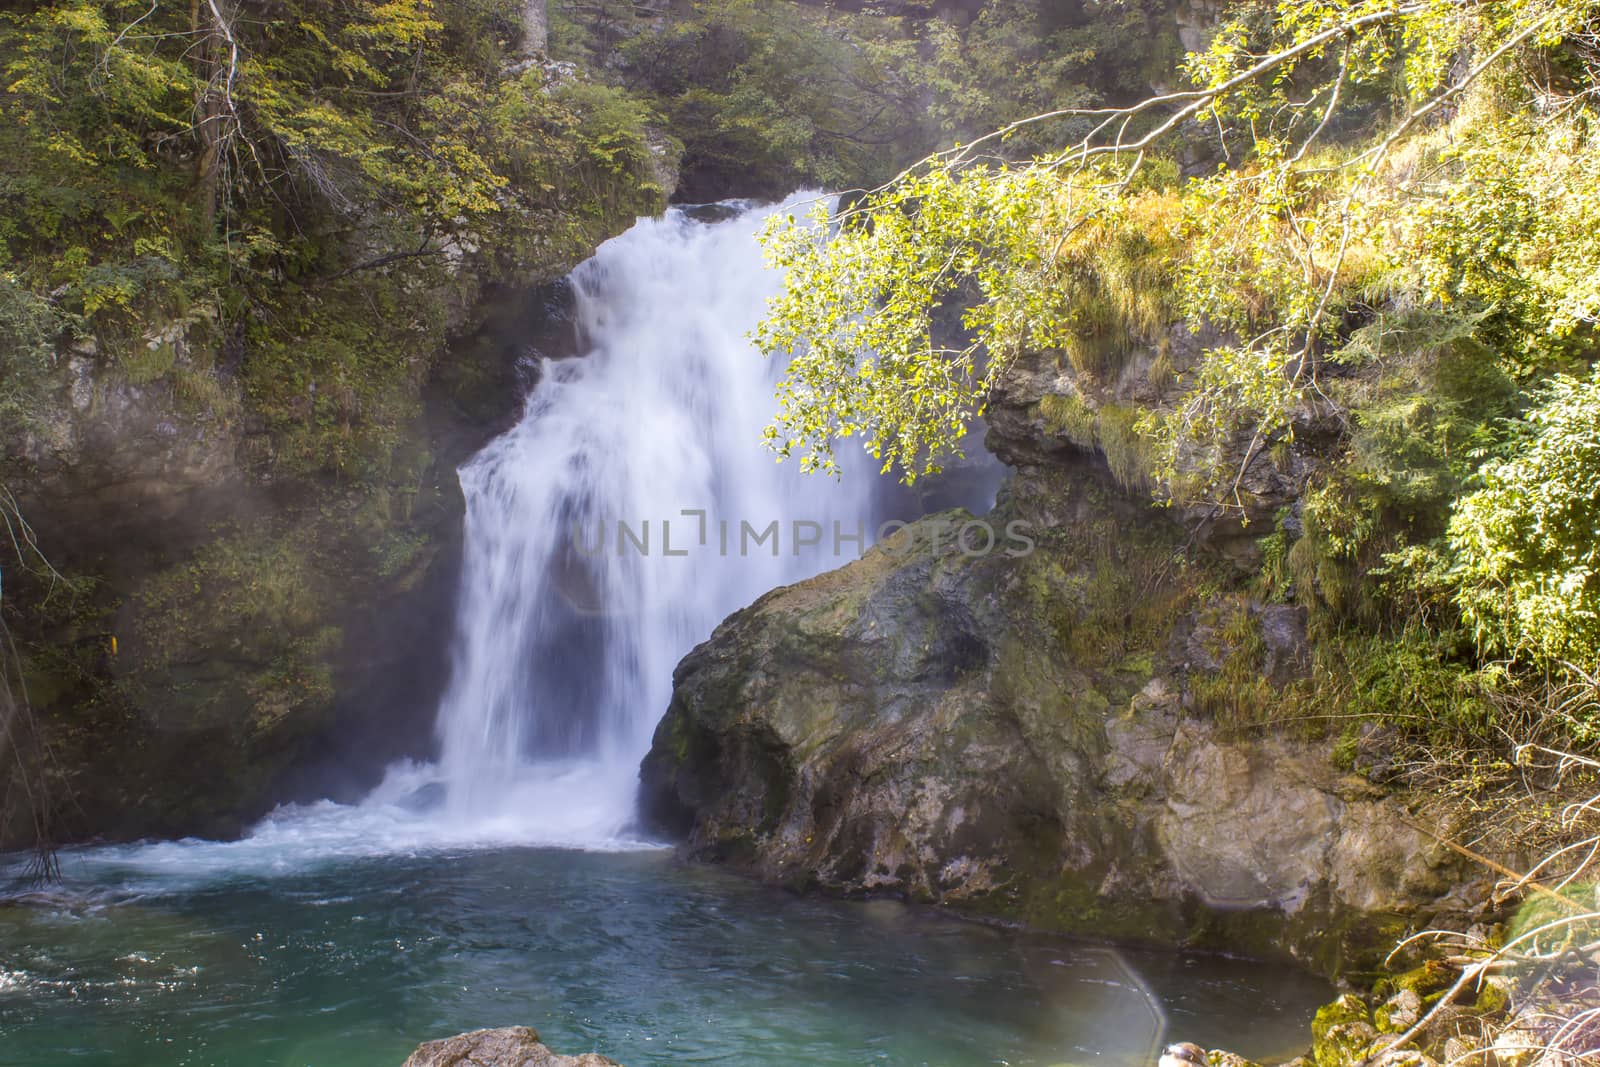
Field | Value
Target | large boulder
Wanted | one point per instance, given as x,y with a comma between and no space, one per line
511,1046
1014,733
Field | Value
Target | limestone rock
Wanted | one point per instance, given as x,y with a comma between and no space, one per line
1197,20
1400,1012
1016,734
1045,419
511,1046
251,629
1004,733
1403,1057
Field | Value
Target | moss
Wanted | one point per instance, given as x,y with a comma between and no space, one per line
1087,587
239,626
1273,581
1236,694
1113,272
1073,904
397,551
201,392
148,363
1494,1000
300,677
1162,373
680,737
1142,665
1428,980
1068,414
1341,1032
1110,427
1346,748
1127,452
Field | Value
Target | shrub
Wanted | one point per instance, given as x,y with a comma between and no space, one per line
1528,542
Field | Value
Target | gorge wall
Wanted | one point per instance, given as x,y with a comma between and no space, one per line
226,637
245,509
231,407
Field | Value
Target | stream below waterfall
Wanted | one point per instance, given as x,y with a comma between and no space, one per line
507,883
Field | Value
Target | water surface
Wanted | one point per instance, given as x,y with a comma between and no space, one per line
160,957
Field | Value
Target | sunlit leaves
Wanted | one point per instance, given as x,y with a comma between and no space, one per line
1528,542
1279,247
865,321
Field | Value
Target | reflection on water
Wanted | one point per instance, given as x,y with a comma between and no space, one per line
352,962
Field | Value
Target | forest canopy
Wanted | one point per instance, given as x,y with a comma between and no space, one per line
1378,220
258,176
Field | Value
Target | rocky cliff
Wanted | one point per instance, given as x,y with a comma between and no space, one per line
227,633
1041,731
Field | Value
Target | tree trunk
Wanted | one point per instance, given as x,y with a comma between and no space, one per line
208,111
535,29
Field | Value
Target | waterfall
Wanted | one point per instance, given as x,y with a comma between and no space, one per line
618,522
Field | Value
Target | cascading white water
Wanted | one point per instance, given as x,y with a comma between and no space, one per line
567,629
565,649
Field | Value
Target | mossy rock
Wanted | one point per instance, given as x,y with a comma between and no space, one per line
1404,1057
1494,1000
1427,981
1218,1057
1342,1032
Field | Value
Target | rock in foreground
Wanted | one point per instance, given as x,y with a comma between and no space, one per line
510,1046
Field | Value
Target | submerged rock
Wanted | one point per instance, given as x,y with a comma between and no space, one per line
511,1046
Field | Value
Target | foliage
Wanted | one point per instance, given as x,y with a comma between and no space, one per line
1235,695
1392,270
257,169
1528,977
857,319
1528,542
1279,248
267,214
251,598
1024,57
771,97
1512,237
1430,412
27,332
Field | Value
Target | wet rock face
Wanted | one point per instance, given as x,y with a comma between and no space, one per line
1007,734
117,467
251,636
512,1046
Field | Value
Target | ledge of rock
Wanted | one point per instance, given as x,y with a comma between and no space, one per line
510,1046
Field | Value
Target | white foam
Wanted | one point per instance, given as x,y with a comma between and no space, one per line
565,651
662,413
